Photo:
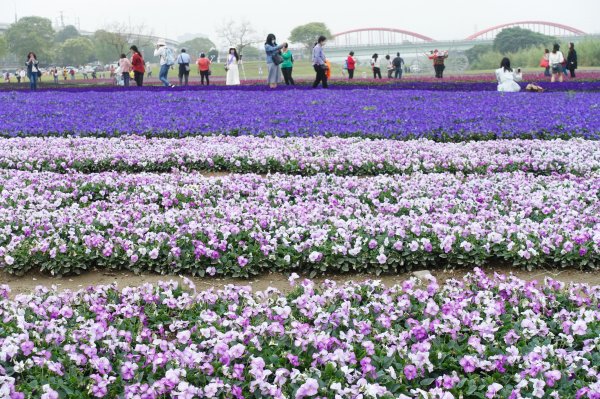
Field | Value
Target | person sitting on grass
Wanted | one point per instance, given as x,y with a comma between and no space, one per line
507,78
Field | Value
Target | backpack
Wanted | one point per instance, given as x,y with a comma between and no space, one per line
346,64
169,58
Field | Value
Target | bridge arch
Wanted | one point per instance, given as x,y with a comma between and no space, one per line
377,36
545,27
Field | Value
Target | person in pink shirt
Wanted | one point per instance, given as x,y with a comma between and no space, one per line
126,67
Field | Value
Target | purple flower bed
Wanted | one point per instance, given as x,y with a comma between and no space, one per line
242,225
394,114
479,337
306,156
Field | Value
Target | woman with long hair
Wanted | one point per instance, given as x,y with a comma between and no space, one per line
320,62
556,59
33,71
507,78
376,65
572,59
233,72
138,65
274,60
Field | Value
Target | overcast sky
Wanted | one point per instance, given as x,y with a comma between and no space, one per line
440,19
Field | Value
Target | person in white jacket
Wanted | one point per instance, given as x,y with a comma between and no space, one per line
555,60
166,61
507,78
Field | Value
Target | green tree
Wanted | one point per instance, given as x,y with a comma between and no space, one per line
511,40
309,33
76,51
588,52
198,45
68,32
31,34
475,52
104,48
3,46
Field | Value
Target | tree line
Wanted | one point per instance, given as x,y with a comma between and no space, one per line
68,46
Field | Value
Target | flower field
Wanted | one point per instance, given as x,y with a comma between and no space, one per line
240,225
242,182
392,114
479,337
306,156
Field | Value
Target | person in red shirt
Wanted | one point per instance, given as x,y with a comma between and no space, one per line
438,58
351,64
204,68
138,65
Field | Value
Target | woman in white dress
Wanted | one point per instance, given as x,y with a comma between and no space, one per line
507,78
233,71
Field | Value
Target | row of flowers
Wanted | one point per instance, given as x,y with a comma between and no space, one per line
241,225
393,114
478,337
307,156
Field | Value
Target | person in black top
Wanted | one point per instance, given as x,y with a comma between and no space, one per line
397,63
572,59
32,70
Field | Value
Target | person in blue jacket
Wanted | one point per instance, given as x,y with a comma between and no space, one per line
274,60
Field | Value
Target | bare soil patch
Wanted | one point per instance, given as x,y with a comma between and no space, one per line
27,283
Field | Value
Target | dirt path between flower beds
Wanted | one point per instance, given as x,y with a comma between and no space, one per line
27,283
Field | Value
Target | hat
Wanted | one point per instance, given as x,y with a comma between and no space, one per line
161,42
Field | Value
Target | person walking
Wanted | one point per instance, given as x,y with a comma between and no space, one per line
319,63
351,65
507,78
556,59
138,66
55,75
125,67
545,63
22,74
166,61
376,66
232,68
274,60
33,71
184,60
204,68
572,59
287,66
398,62
390,66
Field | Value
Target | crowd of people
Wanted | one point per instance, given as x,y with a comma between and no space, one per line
556,65
280,65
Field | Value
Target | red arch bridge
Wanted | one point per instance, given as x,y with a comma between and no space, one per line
393,36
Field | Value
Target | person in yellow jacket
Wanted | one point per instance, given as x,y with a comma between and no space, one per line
328,71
